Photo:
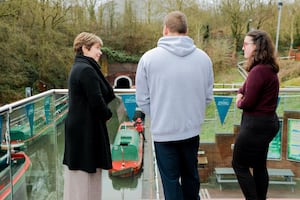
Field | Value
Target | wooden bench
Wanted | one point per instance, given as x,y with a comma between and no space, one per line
204,194
277,176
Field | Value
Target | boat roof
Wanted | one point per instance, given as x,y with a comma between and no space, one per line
126,145
127,137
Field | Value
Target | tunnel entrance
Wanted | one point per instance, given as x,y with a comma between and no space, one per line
123,82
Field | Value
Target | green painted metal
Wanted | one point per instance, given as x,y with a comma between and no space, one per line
126,145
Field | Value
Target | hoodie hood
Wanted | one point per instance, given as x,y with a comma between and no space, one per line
178,45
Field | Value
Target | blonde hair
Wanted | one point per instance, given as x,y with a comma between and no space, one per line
85,39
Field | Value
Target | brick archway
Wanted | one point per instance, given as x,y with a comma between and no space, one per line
122,82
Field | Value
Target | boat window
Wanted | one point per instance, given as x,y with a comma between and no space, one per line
125,140
123,127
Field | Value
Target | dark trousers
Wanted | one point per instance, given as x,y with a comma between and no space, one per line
250,154
177,164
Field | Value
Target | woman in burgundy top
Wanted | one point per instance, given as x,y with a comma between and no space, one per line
259,124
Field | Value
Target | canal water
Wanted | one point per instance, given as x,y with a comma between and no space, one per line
45,178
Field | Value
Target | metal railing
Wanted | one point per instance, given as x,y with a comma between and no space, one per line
52,175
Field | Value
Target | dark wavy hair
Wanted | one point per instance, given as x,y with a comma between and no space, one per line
265,51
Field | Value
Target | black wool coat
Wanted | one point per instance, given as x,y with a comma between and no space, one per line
87,144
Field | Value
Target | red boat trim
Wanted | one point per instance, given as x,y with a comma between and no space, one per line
135,165
20,173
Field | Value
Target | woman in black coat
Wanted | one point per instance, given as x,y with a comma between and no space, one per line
87,147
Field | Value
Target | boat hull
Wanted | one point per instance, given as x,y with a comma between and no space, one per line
21,137
127,154
20,164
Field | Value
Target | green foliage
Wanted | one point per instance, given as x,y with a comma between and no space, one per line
297,40
119,56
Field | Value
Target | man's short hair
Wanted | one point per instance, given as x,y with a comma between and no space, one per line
176,22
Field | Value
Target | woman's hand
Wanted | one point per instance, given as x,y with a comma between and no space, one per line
239,97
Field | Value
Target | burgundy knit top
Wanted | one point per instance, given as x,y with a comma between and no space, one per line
260,91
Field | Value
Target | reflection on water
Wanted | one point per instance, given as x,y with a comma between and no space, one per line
125,183
114,188
45,178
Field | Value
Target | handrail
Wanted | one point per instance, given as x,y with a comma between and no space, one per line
9,107
241,69
286,89
244,73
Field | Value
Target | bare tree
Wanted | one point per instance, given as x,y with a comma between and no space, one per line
60,9
148,6
233,11
290,23
111,14
91,6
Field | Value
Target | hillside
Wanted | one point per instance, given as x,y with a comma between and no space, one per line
289,74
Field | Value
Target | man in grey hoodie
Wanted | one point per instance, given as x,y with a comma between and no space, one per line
174,84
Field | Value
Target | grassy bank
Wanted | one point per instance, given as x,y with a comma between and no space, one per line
289,76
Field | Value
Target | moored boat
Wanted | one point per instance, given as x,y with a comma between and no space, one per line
127,151
20,133
20,163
